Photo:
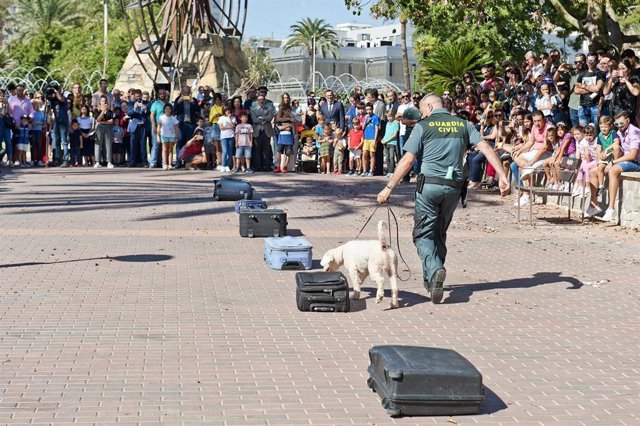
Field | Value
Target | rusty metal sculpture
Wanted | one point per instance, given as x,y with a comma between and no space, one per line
165,28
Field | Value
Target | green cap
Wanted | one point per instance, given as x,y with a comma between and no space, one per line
411,114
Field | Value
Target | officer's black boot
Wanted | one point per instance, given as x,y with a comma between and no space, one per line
437,284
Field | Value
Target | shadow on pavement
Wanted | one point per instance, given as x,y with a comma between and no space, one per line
141,258
492,403
462,293
406,298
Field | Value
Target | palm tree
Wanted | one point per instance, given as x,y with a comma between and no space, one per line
446,64
389,9
311,35
5,59
33,17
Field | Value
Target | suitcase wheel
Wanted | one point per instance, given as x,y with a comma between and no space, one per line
391,410
370,383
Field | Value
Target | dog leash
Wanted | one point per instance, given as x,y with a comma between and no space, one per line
390,214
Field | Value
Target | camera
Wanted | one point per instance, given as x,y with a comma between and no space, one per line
51,91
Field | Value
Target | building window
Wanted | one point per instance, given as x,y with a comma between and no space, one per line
390,69
334,69
350,70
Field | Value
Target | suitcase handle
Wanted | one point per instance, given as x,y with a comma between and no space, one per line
292,265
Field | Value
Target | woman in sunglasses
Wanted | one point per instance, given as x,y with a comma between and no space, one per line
625,88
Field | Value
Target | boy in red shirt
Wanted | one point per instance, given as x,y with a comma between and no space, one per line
355,140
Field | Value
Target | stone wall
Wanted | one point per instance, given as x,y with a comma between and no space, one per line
206,55
630,205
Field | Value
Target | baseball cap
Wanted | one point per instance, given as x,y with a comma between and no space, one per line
411,114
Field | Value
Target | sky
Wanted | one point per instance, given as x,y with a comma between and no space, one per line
274,17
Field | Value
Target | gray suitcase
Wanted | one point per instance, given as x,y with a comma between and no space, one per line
263,223
322,292
288,253
419,381
228,189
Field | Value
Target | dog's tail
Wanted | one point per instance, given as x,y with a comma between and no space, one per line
382,235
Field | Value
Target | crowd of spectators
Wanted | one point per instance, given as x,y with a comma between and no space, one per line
533,113
547,108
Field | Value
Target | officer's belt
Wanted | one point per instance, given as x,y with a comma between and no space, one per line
456,184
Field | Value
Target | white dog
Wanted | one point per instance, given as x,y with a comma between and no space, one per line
363,258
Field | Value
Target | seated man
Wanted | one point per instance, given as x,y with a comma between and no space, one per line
629,136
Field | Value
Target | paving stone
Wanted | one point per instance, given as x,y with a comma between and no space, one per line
127,296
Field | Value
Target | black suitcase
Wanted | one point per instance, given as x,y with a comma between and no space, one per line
263,223
418,381
228,189
322,292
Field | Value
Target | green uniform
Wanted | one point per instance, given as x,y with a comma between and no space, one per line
440,142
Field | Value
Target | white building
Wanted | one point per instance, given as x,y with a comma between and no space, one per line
364,35
369,56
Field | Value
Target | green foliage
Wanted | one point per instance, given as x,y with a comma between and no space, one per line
446,64
303,33
33,17
67,34
261,69
5,59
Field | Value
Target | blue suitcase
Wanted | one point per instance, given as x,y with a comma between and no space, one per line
250,205
288,253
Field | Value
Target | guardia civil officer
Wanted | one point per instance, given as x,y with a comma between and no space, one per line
441,140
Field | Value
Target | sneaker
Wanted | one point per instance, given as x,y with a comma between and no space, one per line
249,171
577,191
234,171
339,172
16,163
608,216
523,201
40,164
218,168
437,284
65,164
350,173
285,170
110,166
277,169
592,211
97,166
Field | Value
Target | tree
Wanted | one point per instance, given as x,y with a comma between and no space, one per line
507,29
447,64
313,34
389,9
600,21
34,17
261,69
5,59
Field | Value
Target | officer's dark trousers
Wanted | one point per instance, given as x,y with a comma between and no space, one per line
434,211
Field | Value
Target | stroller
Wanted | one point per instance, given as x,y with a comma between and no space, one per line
307,161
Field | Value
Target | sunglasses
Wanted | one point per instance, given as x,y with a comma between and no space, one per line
619,123
579,62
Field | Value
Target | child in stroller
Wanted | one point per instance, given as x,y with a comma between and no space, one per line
307,160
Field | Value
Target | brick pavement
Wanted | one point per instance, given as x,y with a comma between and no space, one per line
127,296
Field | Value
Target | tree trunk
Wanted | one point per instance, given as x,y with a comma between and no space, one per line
598,23
405,54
